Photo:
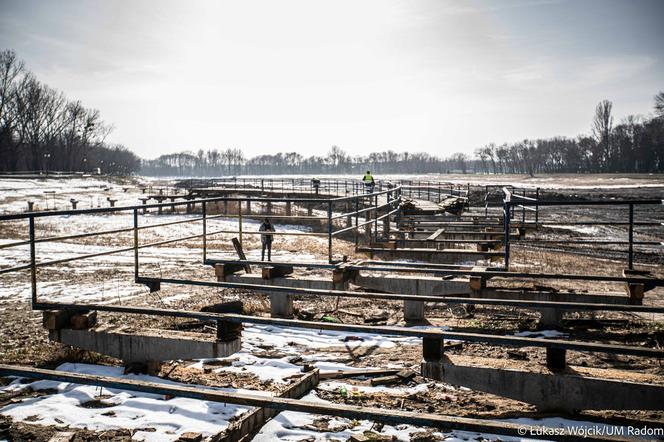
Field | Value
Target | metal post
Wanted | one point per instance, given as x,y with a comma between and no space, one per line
506,222
631,236
376,219
204,231
536,207
135,244
329,231
33,263
239,212
523,208
357,221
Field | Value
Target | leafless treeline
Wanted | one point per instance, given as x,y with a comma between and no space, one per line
634,145
232,162
41,130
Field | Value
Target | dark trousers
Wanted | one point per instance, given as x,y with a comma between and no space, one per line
268,245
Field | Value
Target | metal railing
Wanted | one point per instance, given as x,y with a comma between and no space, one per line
523,203
374,207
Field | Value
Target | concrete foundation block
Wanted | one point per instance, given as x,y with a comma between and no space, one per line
148,345
281,305
549,391
413,311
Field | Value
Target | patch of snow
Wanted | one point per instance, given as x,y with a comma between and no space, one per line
130,410
542,334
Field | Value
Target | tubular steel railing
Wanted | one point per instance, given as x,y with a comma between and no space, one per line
376,206
512,200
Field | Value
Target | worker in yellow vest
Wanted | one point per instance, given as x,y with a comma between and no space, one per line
369,182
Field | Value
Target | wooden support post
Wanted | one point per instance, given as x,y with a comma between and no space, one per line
275,271
248,212
432,349
31,206
221,271
555,359
268,207
635,291
228,331
288,208
82,321
310,209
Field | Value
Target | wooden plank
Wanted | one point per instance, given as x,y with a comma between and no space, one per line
240,254
366,372
436,234
276,271
63,436
252,421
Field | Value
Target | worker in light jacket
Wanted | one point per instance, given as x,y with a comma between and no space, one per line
369,182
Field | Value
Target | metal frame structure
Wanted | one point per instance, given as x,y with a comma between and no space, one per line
514,200
354,205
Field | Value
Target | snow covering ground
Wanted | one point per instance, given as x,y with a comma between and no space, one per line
156,418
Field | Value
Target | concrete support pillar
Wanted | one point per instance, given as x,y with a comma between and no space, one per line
413,311
73,203
281,305
31,206
111,201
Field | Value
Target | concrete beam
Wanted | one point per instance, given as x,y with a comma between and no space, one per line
447,256
408,285
148,345
413,311
549,391
289,281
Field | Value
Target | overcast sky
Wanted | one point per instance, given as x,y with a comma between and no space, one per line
269,76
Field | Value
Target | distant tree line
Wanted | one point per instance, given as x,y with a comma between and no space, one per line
635,145
41,130
231,162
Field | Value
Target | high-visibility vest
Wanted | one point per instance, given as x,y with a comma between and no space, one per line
368,178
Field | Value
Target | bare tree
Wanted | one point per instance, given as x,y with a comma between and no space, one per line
659,104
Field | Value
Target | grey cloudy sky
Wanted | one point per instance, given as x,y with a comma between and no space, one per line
267,76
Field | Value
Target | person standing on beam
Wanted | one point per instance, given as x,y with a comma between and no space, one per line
369,182
266,239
